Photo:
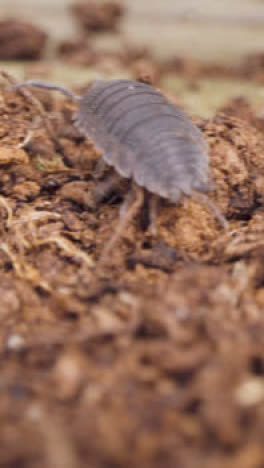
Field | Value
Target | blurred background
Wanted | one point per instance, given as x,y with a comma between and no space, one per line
205,51
209,29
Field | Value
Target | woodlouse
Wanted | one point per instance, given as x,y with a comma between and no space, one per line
144,137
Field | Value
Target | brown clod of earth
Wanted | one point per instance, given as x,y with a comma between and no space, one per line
146,71
10,155
77,51
250,68
253,67
241,108
21,40
98,16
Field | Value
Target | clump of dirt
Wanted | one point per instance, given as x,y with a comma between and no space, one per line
146,71
82,52
193,69
253,67
241,108
237,168
155,358
77,51
21,40
132,53
94,16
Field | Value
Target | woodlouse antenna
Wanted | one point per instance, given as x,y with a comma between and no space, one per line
205,200
41,84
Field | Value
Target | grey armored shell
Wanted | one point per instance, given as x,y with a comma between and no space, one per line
145,137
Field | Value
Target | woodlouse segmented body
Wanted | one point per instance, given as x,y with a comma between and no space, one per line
145,137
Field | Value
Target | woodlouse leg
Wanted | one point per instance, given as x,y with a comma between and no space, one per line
153,213
105,187
126,215
202,198
99,168
126,204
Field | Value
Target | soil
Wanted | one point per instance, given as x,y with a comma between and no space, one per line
250,68
155,358
94,16
77,52
21,40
